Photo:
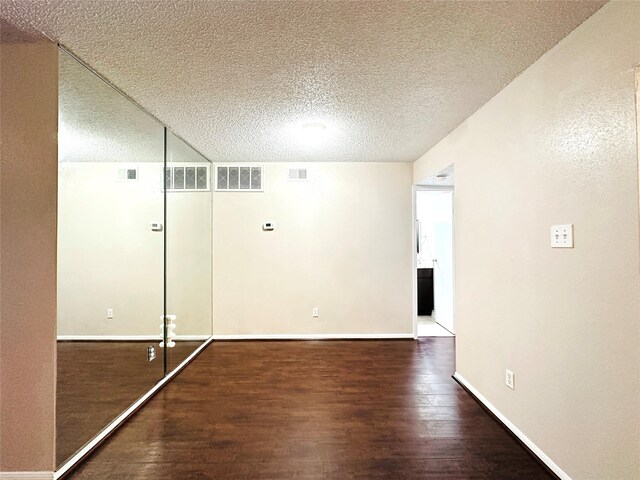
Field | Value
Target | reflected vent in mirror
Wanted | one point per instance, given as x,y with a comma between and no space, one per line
239,178
187,178
297,174
127,174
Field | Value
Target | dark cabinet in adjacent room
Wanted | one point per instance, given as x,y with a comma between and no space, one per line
425,291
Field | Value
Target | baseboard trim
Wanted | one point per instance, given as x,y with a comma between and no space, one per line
26,475
533,448
318,336
115,424
128,338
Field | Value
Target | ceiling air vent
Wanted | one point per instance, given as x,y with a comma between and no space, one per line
297,174
239,178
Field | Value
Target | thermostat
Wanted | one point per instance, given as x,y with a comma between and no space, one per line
269,226
156,227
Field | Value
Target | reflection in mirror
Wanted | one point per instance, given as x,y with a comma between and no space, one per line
188,262
110,258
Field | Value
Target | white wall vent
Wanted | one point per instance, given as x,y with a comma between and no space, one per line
239,178
297,174
127,174
185,177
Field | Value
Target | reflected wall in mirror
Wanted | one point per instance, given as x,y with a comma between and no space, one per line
110,259
188,250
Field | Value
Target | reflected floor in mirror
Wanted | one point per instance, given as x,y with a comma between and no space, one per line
314,410
97,381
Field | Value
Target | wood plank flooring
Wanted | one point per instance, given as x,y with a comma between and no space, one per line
97,381
314,410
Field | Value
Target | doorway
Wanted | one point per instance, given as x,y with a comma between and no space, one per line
433,256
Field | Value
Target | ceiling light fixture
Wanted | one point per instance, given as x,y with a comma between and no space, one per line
313,132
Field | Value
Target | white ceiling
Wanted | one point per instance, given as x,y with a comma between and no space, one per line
237,79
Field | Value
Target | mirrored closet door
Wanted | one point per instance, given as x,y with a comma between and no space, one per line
188,250
134,254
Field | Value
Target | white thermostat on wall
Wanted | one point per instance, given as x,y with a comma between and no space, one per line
268,226
156,227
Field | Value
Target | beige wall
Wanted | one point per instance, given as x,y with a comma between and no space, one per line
342,243
638,121
557,145
28,156
108,257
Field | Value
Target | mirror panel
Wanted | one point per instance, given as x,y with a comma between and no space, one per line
188,249
110,259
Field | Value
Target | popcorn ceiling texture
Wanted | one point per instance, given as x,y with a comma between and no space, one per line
238,79
97,124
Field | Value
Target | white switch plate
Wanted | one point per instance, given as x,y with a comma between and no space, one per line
509,379
315,312
562,236
109,312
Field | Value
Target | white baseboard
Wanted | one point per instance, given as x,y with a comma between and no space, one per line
79,455
26,475
186,338
129,338
515,430
316,336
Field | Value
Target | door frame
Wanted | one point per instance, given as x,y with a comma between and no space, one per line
414,248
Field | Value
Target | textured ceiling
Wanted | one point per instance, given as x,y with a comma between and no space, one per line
238,79
97,124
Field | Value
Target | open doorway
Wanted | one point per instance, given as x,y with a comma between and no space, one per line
434,282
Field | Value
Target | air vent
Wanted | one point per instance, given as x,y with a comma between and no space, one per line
127,174
185,177
297,174
239,178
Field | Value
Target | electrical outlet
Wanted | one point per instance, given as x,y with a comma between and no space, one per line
151,353
109,312
315,312
509,379
562,236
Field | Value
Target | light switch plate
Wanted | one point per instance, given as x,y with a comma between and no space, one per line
562,236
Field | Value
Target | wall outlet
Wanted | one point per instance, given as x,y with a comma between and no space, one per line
109,312
509,379
562,236
315,312
151,353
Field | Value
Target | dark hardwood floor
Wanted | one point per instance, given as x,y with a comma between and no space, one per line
97,381
314,410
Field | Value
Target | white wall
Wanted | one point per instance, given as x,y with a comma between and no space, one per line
189,262
557,145
108,257
342,243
